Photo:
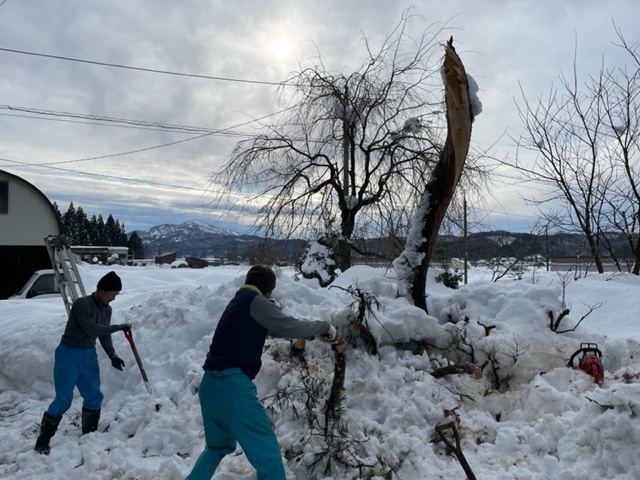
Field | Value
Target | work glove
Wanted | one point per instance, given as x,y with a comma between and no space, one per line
276,303
117,363
124,326
330,336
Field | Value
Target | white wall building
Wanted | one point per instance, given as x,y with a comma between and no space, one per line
27,216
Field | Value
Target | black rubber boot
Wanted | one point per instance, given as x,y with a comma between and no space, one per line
48,429
90,419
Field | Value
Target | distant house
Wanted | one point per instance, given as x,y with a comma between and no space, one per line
165,258
27,216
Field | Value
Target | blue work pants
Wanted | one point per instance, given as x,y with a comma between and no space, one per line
75,367
232,413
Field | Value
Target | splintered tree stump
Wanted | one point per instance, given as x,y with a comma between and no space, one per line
441,187
458,368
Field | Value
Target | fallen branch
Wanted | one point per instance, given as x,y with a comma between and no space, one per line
456,449
337,386
470,368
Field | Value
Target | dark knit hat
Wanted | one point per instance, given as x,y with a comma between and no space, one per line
261,277
110,283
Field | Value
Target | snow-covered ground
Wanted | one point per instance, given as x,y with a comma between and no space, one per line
542,421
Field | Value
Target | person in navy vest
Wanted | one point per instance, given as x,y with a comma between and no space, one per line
76,360
231,410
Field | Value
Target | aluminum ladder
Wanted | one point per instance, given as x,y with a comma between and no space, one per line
65,269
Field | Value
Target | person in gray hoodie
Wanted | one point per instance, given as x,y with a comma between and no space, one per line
231,410
76,359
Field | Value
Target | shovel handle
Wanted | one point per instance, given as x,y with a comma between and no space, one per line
129,336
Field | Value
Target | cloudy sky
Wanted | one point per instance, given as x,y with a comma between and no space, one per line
151,170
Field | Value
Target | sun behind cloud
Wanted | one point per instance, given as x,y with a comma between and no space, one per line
281,47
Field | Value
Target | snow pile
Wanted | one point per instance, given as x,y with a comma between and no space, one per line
541,419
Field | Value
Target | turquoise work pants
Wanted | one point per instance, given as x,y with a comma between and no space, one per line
75,367
232,413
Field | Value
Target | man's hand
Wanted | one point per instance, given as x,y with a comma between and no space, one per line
125,326
117,363
331,336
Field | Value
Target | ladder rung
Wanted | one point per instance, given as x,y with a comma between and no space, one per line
65,269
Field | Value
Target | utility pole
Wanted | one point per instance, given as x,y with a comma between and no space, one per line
546,237
466,254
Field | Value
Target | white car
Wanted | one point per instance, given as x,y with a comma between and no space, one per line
42,284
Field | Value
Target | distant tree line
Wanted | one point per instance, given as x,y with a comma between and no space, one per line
95,231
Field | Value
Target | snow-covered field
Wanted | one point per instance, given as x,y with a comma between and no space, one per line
543,421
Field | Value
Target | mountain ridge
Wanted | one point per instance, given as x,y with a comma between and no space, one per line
201,239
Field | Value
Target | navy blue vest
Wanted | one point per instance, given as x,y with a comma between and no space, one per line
238,340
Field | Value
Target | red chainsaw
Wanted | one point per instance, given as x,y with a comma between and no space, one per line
590,362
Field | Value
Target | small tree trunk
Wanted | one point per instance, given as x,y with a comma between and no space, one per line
636,260
347,225
593,246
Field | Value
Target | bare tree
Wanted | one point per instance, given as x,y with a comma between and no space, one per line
622,107
586,141
565,130
358,147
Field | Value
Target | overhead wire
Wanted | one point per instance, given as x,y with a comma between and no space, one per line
127,123
141,69
66,120
138,181
107,120
227,131
108,177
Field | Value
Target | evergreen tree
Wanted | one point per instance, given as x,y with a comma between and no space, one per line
121,236
57,210
94,231
81,233
136,248
69,223
101,232
111,232
80,230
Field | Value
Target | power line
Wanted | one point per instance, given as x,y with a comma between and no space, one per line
111,155
63,120
137,123
128,123
142,69
218,132
108,177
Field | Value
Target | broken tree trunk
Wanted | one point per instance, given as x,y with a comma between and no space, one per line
413,263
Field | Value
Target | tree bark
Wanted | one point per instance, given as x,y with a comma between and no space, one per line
440,189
